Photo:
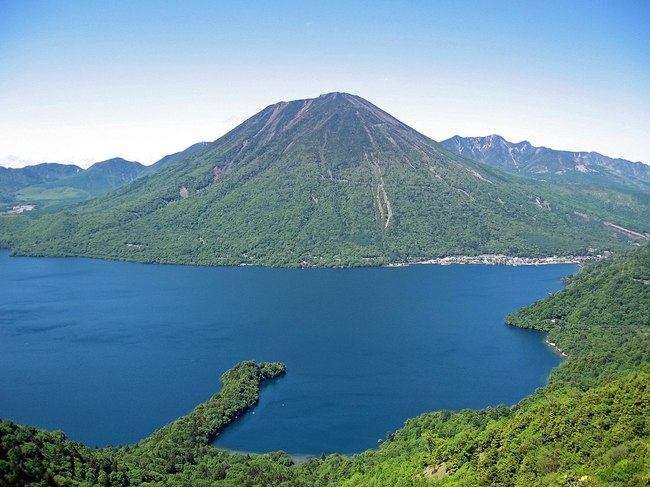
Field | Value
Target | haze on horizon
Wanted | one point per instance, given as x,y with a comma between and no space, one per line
82,82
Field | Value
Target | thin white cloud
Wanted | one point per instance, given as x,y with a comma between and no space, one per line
14,161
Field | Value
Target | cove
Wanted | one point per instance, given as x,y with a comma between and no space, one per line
110,351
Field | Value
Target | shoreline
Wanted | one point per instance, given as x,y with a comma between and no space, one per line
496,259
483,259
557,349
296,458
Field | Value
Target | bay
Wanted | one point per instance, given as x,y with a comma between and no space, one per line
110,351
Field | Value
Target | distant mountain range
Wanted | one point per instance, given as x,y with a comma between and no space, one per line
549,164
102,176
55,185
12,180
328,181
61,184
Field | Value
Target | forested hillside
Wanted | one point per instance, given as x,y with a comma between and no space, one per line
590,426
13,180
53,186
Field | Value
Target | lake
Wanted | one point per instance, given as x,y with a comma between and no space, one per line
110,351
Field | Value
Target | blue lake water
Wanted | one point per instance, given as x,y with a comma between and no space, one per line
110,351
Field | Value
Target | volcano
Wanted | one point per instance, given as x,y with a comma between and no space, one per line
328,181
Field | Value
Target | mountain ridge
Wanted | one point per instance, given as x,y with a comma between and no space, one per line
105,175
73,186
56,185
14,179
171,158
543,162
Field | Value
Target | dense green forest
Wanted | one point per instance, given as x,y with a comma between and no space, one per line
589,426
331,181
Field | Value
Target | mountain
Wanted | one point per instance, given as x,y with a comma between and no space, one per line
14,179
549,164
332,180
103,176
172,158
58,185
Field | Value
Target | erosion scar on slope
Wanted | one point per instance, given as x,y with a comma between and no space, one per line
389,210
381,197
379,205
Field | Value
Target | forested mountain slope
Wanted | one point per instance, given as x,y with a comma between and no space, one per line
13,180
58,185
104,176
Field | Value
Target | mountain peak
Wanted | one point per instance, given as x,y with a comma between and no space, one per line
113,161
337,94
314,114
335,113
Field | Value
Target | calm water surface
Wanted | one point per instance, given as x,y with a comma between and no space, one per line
110,351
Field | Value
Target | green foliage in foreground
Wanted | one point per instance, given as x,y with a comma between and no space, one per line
589,427
600,436
602,320
181,449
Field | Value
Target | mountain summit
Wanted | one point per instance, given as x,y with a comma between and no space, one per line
332,180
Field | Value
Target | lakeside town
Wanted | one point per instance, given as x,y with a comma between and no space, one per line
492,259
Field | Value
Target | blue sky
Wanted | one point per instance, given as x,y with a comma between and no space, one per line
85,81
